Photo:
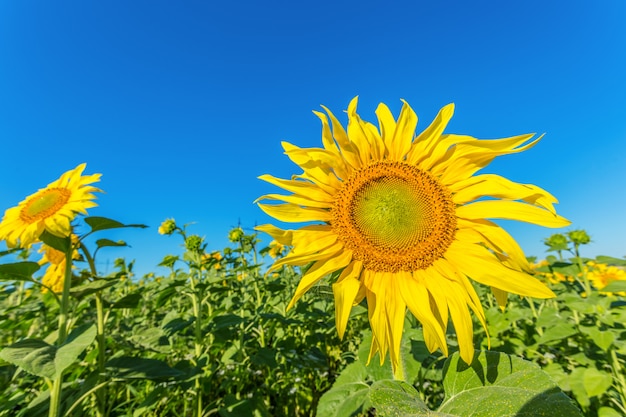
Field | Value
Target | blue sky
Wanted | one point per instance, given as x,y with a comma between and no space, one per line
181,105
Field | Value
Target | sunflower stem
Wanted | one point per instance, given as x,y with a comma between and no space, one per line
57,386
100,339
196,301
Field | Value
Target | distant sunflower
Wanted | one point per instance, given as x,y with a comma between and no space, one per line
404,224
54,276
52,208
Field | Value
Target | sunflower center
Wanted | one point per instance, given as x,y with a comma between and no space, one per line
44,204
394,217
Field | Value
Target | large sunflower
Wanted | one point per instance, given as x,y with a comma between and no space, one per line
404,220
52,208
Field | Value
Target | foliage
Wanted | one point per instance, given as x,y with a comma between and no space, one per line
211,336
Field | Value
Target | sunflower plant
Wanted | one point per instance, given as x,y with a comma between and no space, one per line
400,220
49,218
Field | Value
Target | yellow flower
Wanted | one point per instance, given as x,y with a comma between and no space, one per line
54,276
602,275
276,249
404,219
52,208
167,227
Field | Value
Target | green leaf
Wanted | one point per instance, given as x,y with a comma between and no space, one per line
557,333
102,223
498,385
128,301
396,398
596,382
615,286
92,287
611,260
76,343
33,355
603,338
265,357
18,271
126,367
608,412
101,243
577,386
62,244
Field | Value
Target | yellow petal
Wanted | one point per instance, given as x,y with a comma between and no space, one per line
350,154
327,136
480,265
292,213
296,199
345,291
511,210
496,186
416,298
303,259
461,319
318,271
501,296
428,139
404,133
299,187
396,312
496,238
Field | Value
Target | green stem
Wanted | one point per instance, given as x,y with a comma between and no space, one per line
196,301
582,270
57,386
619,376
100,339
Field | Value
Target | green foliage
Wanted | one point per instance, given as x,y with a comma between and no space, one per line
212,334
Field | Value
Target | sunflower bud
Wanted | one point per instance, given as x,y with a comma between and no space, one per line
235,235
194,243
579,237
167,227
556,242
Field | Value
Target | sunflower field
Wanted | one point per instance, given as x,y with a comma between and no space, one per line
317,322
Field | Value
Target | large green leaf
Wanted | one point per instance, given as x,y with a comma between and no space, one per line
397,398
596,382
62,244
499,385
610,260
102,243
126,367
18,271
42,359
92,287
33,355
102,223
349,394
76,343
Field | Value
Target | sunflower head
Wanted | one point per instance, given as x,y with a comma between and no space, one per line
403,222
52,209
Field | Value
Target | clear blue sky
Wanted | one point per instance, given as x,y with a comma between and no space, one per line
181,105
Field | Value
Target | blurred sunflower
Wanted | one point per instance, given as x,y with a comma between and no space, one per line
52,208
602,275
54,276
404,224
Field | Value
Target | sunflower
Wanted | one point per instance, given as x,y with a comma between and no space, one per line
54,276
402,221
52,208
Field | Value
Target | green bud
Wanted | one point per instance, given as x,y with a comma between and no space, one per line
579,237
556,242
194,243
235,235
